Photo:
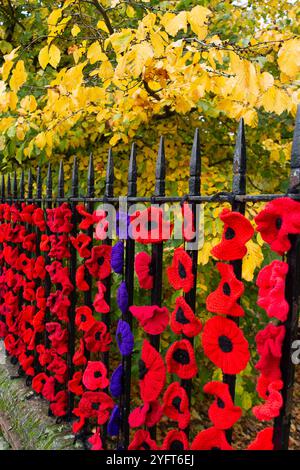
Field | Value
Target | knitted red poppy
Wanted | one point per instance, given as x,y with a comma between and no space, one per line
100,304
87,219
48,391
75,384
180,359
276,221
59,246
211,439
263,440
175,440
95,441
59,219
84,319
183,320
97,338
81,244
102,225
39,381
59,305
58,337
271,292
147,414
152,372
95,405
180,273
224,299
176,405
95,376
81,283
222,412
271,408
142,441
149,226
58,367
237,232
59,404
79,358
269,347
143,269
225,345
99,262
153,319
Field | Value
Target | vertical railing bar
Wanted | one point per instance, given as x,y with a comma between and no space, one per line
22,185
238,188
48,205
15,186
90,208
9,195
282,423
3,188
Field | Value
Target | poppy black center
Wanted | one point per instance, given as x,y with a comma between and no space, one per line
98,336
176,402
181,356
142,369
181,270
225,344
95,406
176,445
229,234
278,223
100,260
180,316
145,446
220,403
27,325
226,289
97,374
83,318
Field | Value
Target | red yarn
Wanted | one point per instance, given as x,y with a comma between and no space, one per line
175,440
143,269
180,273
223,413
142,441
152,373
269,345
263,440
180,359
183,319
211,439
271,408
153,319
147,414
176,405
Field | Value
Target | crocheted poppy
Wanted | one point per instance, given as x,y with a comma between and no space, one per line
81,283
116,381
183,320
271,292
147,414
113,424
269,347
87,219
263,440
59,404
79,358
97,338
117,257
48,391
99,262
271,408
95,376
180,274
276,221
95,405
224,299
95,441
84,318
153,319
142,441
175,440
58,336
122,297
81,243
100,304
237,232
225,345
39,381
38,219
180,359
176,405
152,372
59,304
102,225
211,439
59,219
58,367
222,412
149,226
144,270
125,338
75,384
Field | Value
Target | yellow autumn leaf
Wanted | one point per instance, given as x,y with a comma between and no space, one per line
44,57
6,68
18,77
54,56
174,23
197,18
75,30
54,17
266,80
101,25
29,103
252,260
94,52
289,58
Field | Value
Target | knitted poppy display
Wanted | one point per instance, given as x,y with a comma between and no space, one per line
59,219
149,226
147,414
237,231
81,283
176,405
99,262
117,257
224,300
84,319
125,338
180,273
211,439
144,270
97,338
95,405
79,358
175,440
269,347
122,297
225,345
102,226
88,219
153,319
271,292
152,373
113,424
263,440
95,376
271,408
180,359
116,381
81,243
142,441
59,405
95,441
100,304
222,413
183,320
279,219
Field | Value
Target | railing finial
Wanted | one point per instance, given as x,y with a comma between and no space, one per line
195,165
49,182
160,171
91,177
30,184
39,182
74,191
132,172
22,185
239,161
109,180
61,180
295,155
15,185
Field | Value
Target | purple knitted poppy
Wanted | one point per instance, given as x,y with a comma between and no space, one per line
125,338
122,297
122,224
113,424
117,256
116,381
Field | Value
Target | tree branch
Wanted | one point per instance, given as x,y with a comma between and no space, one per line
104,15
